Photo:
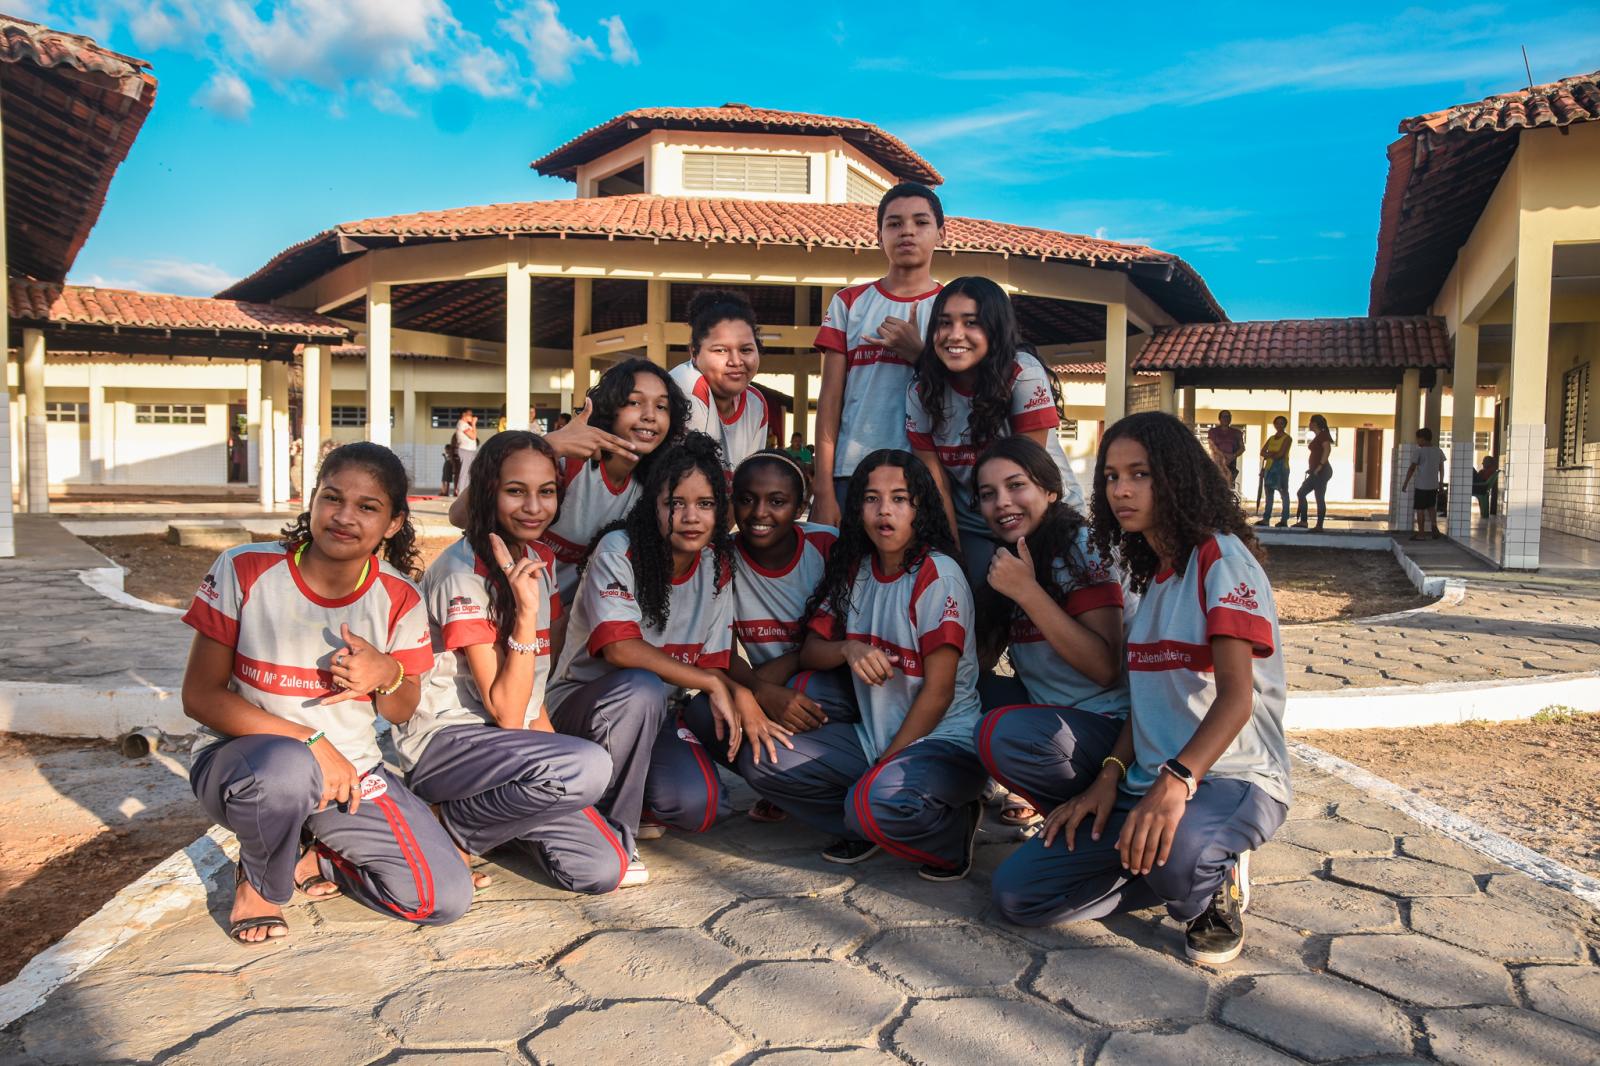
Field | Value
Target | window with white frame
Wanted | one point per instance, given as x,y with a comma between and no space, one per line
860,189
1068,430
746,172
1574,415
59,411
169,414
349,416
1480,440
447,417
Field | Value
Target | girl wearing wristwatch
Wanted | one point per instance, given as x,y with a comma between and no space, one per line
480,747
1199,776
298,646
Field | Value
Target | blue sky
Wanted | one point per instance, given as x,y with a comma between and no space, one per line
1249,140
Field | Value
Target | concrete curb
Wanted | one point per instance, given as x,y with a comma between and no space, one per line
1501,849
1440,703
176,883
80,711
107,581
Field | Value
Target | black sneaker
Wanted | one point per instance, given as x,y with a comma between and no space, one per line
847,852
930,872
1217,936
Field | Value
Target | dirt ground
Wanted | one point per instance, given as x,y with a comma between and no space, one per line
77,822
1322,584
168,573
1537,782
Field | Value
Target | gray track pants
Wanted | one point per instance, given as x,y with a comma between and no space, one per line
656,763
494,786
391,854
1044,753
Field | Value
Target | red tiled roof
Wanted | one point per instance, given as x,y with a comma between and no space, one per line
1168,279
1088,370
72,110
1442,172
80,305
887,149
1397,342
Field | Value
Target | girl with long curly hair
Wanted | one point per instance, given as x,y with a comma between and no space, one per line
1058,606
893,608
719,378
480,747
298,646
654,616
1199,776
974,385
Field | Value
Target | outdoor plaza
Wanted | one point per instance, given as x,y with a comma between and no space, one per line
1383,927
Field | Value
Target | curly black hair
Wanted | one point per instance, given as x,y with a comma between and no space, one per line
991,395
1192,499
483,515
611,392
1053,543
649,549
930,532
400,550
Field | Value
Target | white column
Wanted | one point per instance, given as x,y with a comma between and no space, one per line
1405,446
8,543
1463,426
37,447
277,378
410,452
264,445
1433,406
380,349
802,407
324,401
311,413
1188,409
519,344
1116,362
656,306
99,439
582,317
1523,465
252,419
1169,392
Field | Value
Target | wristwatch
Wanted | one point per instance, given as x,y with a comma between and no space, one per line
1182,773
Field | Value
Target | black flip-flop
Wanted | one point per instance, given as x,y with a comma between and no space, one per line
244,925
305,884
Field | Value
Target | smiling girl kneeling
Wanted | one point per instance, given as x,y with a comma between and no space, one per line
298,645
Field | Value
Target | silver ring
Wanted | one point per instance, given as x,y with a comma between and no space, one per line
508,567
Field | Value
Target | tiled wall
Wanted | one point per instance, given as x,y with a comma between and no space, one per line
1523,497
1461,502
1572,496
1401,514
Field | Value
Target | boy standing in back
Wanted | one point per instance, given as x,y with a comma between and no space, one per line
870,338
1428,466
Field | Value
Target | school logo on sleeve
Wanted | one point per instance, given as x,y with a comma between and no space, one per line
951,608
1040,398
462,607
618,591
1243,596
208,588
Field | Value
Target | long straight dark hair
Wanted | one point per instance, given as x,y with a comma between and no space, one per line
483,515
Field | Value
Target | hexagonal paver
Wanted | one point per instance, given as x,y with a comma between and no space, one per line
260,1039
1404,877
1333,836
1320,1017
1520,891
199,941
1571,993
808,1057
1505,1036
1207,1044
1270,947
1489,928
820,928
334,971
638,964
803,875
1278,861
474,1007
1141,927
895,895
1324,907
482,1057
816,1003
88,1020
506,934
658,1033
1377,816
1435,847
1420,970
983,1030
656,906
1123,984
947,959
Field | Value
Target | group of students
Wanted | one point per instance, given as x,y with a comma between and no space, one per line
636,607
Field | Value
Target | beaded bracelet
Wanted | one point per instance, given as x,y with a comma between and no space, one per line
526,649
1122,767
398,681
314,737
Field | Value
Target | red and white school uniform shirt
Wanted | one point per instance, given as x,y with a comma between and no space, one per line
739,436
1222,592
1032,408
875,377
768,604
909,616
284,636
589,503
456,592
1048,678
699,629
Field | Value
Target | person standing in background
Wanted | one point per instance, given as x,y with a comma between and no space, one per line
466,441
1275,470
1227,444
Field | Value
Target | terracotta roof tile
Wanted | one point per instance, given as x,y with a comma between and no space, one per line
884,147
80,305
1559,103
1401,342
1172,282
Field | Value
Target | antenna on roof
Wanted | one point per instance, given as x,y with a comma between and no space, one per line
1526,67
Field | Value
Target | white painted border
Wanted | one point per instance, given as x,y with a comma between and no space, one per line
178,882
1440,703
80,711
1501,849
101,579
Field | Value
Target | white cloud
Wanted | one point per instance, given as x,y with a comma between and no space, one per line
619,43
552,47
943,129
227,95
176,276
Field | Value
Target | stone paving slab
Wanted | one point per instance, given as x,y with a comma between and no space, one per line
785,962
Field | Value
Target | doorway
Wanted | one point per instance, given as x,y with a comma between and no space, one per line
1368,464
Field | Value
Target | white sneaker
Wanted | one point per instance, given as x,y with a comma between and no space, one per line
636,874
